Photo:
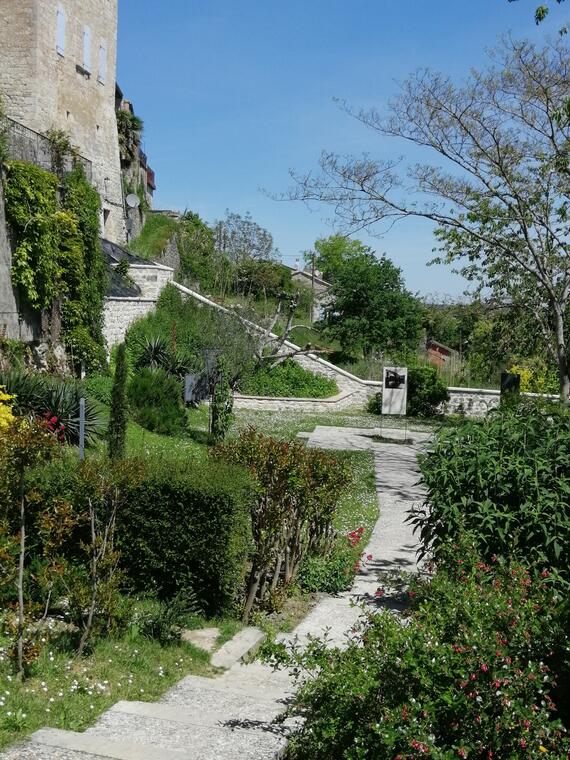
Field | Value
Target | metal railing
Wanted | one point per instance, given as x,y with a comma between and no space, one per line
24,144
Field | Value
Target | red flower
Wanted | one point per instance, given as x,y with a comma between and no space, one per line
484,667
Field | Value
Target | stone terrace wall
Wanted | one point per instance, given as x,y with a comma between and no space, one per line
120,313
353,391
476,402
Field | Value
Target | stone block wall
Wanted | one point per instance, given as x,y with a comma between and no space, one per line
120,313
151,279
45,89
476,402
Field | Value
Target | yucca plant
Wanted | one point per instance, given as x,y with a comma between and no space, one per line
39,395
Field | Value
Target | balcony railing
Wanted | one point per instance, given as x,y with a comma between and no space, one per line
24,144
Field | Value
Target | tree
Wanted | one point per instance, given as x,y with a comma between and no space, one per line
332,252
239,237
499,194
118,415
198,257
370,309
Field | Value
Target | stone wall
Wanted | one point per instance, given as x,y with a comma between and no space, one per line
120,313
170,257
44,88
476,402
343,400
151,279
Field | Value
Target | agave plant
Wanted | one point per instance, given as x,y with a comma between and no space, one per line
154,352
43,395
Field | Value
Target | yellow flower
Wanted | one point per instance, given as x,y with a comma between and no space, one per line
6,416
542,749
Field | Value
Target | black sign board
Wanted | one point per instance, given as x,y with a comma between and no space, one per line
510,383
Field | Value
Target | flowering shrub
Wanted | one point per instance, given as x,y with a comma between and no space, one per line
54,426
472,674
506,481
334,572
6,416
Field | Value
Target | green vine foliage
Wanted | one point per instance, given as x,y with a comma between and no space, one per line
34,218
57,254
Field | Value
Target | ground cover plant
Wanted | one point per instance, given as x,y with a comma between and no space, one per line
471,674
288,379
506,480
68,693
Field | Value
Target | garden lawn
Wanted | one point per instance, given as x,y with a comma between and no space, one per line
71,693
288,423
358,507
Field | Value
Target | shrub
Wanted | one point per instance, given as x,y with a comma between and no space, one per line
180,528
469,676
426,391
99,387
222,404
298,493
506,480
117,431
163,621
45,396
329,574
156,400
288,379
188,528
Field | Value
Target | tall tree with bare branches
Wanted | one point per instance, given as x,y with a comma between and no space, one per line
498,190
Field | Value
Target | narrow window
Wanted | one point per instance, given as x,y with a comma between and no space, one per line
87,48
102,62
60,34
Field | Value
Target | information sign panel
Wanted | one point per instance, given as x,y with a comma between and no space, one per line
394,390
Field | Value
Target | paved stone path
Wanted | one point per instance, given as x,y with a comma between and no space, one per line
233,716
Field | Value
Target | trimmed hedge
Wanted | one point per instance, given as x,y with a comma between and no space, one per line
180,529
288,379
188,528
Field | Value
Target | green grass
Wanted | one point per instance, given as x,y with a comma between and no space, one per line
68,693
358,506
155,234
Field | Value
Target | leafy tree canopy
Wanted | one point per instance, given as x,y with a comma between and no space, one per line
370,308
332,252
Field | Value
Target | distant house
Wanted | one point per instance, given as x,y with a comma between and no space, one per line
320,287
439,355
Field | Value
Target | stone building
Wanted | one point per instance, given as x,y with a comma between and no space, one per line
58,71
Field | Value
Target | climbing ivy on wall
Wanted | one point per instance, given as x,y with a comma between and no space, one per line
57,257
82,312
34,218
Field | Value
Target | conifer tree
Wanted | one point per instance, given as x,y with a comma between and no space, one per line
118,417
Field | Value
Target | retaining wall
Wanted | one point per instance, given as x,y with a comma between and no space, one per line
120,313
476,402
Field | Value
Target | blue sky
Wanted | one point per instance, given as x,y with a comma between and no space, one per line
234,93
